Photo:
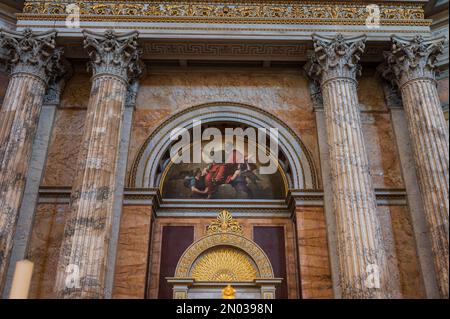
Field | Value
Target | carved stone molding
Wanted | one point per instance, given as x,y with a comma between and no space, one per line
411,59
32,53
335,57
114,54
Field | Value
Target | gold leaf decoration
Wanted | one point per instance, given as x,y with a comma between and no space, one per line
213,11
224,224
224,264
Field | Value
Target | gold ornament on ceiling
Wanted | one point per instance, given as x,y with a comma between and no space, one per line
224,264
224,223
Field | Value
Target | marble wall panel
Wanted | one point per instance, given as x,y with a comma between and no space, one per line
64,147
45,243
315,270
77,91
67,132
132,252
370,91
401,250
381,150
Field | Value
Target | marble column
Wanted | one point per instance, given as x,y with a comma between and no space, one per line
410,65
34,61
34,176
316,96
125,136
84,252
362,258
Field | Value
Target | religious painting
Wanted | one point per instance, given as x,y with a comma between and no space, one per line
237,177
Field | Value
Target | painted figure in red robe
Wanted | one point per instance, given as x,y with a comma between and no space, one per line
221,173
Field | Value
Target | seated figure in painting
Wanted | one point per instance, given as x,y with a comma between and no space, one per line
236,178
196,183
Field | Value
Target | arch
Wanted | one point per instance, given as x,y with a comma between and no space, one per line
193,252
149,163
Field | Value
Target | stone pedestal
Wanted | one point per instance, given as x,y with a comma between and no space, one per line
35,62
362,260
83,259
410,65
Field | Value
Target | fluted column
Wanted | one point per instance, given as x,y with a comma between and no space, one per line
410,65
360,247
34,61
83,257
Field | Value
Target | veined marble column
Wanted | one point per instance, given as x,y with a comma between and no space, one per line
83,257
362,258
410,65
36,168
34,61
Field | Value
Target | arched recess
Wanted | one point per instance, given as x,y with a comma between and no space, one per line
153,156
192,254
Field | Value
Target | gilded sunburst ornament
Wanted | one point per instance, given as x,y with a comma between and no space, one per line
224,264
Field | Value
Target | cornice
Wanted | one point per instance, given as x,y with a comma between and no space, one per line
152,197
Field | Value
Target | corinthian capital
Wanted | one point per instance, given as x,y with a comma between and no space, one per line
411,59
335,57
32,53
114,54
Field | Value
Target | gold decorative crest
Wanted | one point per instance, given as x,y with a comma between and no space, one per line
224,224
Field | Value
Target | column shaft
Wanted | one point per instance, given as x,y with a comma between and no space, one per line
83,263
34,61
18,121
362,257
429,136
411,66
86,235
359,235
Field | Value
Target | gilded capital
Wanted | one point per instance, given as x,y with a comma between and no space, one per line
411,59
114,54
335,57
32,53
